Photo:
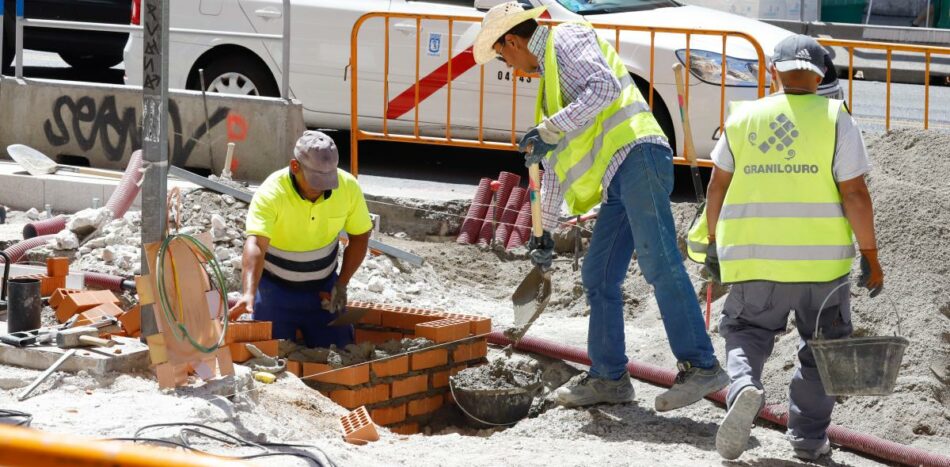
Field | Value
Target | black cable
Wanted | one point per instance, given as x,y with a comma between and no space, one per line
27,419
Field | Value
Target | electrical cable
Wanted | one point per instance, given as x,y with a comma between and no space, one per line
27,418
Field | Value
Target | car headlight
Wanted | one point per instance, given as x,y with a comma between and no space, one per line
707,66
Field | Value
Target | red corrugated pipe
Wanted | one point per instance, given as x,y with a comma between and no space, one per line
17,251
468,233
44,227
509,215
778,414
521,231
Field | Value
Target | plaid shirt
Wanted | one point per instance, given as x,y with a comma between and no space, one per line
588,85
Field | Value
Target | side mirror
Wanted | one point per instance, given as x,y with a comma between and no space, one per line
485,5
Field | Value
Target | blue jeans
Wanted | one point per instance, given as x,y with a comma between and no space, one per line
289,308
637,216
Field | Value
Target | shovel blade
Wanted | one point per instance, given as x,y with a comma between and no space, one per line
531,297
35,162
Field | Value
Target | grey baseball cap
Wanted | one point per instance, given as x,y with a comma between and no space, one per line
316,152
799,52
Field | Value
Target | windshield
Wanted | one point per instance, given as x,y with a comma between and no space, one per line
593,7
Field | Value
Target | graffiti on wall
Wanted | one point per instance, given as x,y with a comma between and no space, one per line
116,131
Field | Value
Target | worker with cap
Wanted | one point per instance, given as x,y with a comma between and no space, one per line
290,257
600,143
786,194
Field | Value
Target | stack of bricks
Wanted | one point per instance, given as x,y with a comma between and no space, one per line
55,278
401,392
258,333
90,305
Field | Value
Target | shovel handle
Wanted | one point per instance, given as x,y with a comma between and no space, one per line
90,171
534,192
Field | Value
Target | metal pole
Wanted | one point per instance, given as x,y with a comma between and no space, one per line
801,11
285,55
4,64
18,34
154,135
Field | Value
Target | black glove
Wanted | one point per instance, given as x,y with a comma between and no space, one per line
541,250
534,147
712,262
872,276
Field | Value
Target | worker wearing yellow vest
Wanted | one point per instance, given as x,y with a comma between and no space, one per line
290,256
786,191
600,143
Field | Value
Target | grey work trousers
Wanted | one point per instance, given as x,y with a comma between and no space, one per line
754,313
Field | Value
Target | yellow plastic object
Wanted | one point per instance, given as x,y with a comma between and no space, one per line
265,377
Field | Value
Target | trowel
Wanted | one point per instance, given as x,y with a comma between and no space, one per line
533,294
37,163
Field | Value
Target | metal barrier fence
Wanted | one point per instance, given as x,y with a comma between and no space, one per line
890,48
358,134
22,22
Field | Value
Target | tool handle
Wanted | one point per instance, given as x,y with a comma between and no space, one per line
97,341
42,377
90,171
534,192
689,149
228,160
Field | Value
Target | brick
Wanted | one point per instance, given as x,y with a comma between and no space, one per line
48,285
480,348
376,337
443,330
350,376
79,302
391,367
480,326
358,428
405,429
57,267
294,367
410,385
353,398
248,331
440,379
96,314
424,406
311,369
131,320
407,318
429,359
56,299
389,415
240,354
470,351
372,317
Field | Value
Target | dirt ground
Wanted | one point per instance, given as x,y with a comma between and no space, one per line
913,222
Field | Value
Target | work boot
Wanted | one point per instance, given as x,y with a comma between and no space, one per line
585,389
733,435
813,454
692,384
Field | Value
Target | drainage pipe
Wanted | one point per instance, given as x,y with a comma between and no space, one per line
105,281
119,203
776,413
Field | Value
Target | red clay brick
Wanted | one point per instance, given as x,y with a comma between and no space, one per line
57,267
294,367
48,284
440,379
479,326
470,351
56,299
406,318
410,385
358,428
443,330
248,331
350,376
352,398
429,359
372,317
376,337
240,354
131,320
389,415
424,406
391,367
480,348
96,314
405,429
79,302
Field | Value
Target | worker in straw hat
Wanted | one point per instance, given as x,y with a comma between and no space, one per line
600,143
786,191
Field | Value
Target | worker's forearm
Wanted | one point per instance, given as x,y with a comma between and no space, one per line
353,257
715,196
253,265
860,213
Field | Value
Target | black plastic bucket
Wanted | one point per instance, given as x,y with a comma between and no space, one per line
24,305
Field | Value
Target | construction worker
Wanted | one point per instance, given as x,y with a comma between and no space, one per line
786,191
600,143
290,256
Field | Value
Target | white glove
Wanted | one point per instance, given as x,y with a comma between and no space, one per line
548,132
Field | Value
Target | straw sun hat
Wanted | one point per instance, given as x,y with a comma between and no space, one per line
499,20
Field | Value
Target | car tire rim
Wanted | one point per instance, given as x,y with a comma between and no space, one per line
233,83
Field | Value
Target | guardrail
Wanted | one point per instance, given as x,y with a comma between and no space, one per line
890,48
22,22
358,134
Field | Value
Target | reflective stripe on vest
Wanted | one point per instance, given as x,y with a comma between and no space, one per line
581,158
301,266
782,218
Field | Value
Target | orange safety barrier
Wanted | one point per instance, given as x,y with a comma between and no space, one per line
889,48
32,448
358,134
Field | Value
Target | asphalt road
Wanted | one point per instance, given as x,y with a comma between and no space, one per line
467,166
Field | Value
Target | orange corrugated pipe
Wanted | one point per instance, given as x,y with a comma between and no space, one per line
34,448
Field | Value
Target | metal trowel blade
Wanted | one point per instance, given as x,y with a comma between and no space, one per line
531,297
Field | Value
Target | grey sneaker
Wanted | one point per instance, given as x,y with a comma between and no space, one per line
691,385
813,454
733,435
584,389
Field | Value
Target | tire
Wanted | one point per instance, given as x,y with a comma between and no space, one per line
660,110
90,62
235,74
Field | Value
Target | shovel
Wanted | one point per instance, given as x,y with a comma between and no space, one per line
533,294
36,163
